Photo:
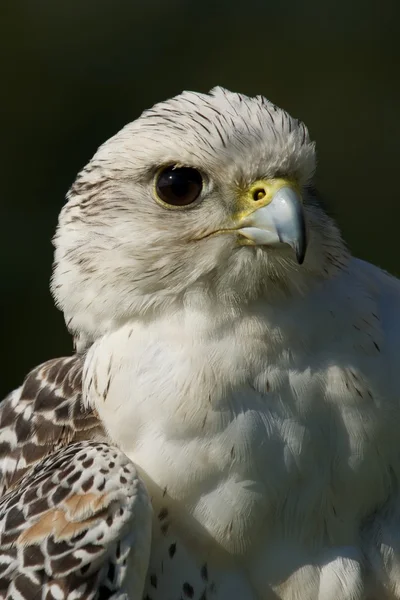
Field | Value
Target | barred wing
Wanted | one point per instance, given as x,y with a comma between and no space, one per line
43,415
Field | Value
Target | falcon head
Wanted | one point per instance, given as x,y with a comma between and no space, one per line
206,198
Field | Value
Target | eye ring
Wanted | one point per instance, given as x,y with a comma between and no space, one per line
178,187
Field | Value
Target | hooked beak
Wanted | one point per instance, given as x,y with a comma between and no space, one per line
276,216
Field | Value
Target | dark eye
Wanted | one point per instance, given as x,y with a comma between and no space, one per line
179,186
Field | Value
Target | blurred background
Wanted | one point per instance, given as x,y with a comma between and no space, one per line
74,72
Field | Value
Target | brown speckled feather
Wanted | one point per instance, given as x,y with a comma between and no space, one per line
73,512
66,530
43,415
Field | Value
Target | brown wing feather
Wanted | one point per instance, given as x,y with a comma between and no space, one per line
43,415
70,526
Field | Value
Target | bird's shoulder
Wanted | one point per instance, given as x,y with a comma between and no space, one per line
43,415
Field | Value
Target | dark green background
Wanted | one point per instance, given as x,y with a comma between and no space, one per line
74,72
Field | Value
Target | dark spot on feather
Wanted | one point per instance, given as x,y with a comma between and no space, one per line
37,507
7,539
27,587
32,556
5,447
87,485
65,563
204,572
93,548
123,480
107,389
79,536
33,452
172,550
31,387
74,478
163,514
67,471
188,590
7,417
62,413
56,548
153,581
4,585
87,463
22,427
60,494
16,498
85,569
46,399
111,572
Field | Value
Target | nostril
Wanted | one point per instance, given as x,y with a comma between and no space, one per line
259,194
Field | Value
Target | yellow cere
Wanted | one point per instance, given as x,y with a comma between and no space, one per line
261,193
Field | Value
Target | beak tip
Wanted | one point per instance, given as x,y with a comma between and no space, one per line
300,247
300,255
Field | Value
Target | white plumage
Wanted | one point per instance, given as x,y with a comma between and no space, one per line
257,397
